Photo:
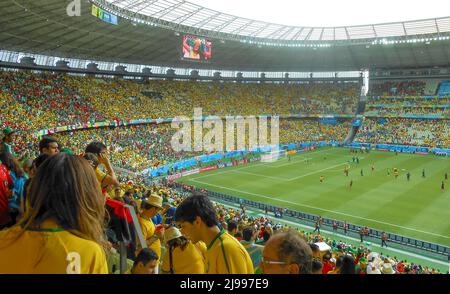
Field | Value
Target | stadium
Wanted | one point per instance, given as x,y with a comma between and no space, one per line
162,136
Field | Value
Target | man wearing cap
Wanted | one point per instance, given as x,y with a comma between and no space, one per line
149,208
8,139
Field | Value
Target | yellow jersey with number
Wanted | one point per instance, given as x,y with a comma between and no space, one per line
226,255
49,251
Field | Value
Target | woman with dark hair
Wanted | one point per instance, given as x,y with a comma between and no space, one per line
182,257
18,177
347,265
61,230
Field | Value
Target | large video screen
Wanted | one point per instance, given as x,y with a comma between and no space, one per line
196,48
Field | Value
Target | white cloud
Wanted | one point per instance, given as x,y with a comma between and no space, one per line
319,13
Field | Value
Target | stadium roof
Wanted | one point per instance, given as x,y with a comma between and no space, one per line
43,27
185,13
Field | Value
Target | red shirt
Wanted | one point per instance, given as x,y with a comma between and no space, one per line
327,266
5,184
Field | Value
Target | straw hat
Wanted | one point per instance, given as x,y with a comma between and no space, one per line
172,233
154,200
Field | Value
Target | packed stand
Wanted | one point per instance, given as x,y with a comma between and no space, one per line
417,132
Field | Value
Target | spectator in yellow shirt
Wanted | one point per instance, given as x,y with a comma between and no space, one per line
108,179
62,228
149,208
197,218
182,257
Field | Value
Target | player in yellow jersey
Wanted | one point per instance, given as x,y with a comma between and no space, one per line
322,178
197,219
346,170
396,172
61,230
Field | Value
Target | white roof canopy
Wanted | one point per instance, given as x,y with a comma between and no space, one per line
184,13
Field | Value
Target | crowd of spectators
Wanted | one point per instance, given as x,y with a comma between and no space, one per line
418,132
401,88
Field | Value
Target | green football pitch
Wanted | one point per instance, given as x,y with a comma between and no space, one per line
417,208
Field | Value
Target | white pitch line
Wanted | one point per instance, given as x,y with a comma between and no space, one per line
314,172
227,170
318,208
296,161
258,175
254,164
285,164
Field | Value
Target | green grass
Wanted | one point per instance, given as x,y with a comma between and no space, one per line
417,209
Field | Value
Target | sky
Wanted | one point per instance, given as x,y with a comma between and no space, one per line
330,13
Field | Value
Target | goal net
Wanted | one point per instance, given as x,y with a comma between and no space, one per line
273,156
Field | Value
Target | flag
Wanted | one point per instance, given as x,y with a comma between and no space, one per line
95,10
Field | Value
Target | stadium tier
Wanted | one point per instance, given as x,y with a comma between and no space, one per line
173,168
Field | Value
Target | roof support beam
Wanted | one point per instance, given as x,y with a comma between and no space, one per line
243,26
321,34
274,33
374,32
346,32
297,34
167,10
134,4
286,33
309,34
224,24
261,29
206,20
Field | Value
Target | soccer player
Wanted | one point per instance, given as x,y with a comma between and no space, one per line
446,176
396,173
347,167
357,160
373,167
388,171
322,178
351,184
423,173
362,174
442,186
408,175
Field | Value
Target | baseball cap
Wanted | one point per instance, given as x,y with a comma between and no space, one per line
8,131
